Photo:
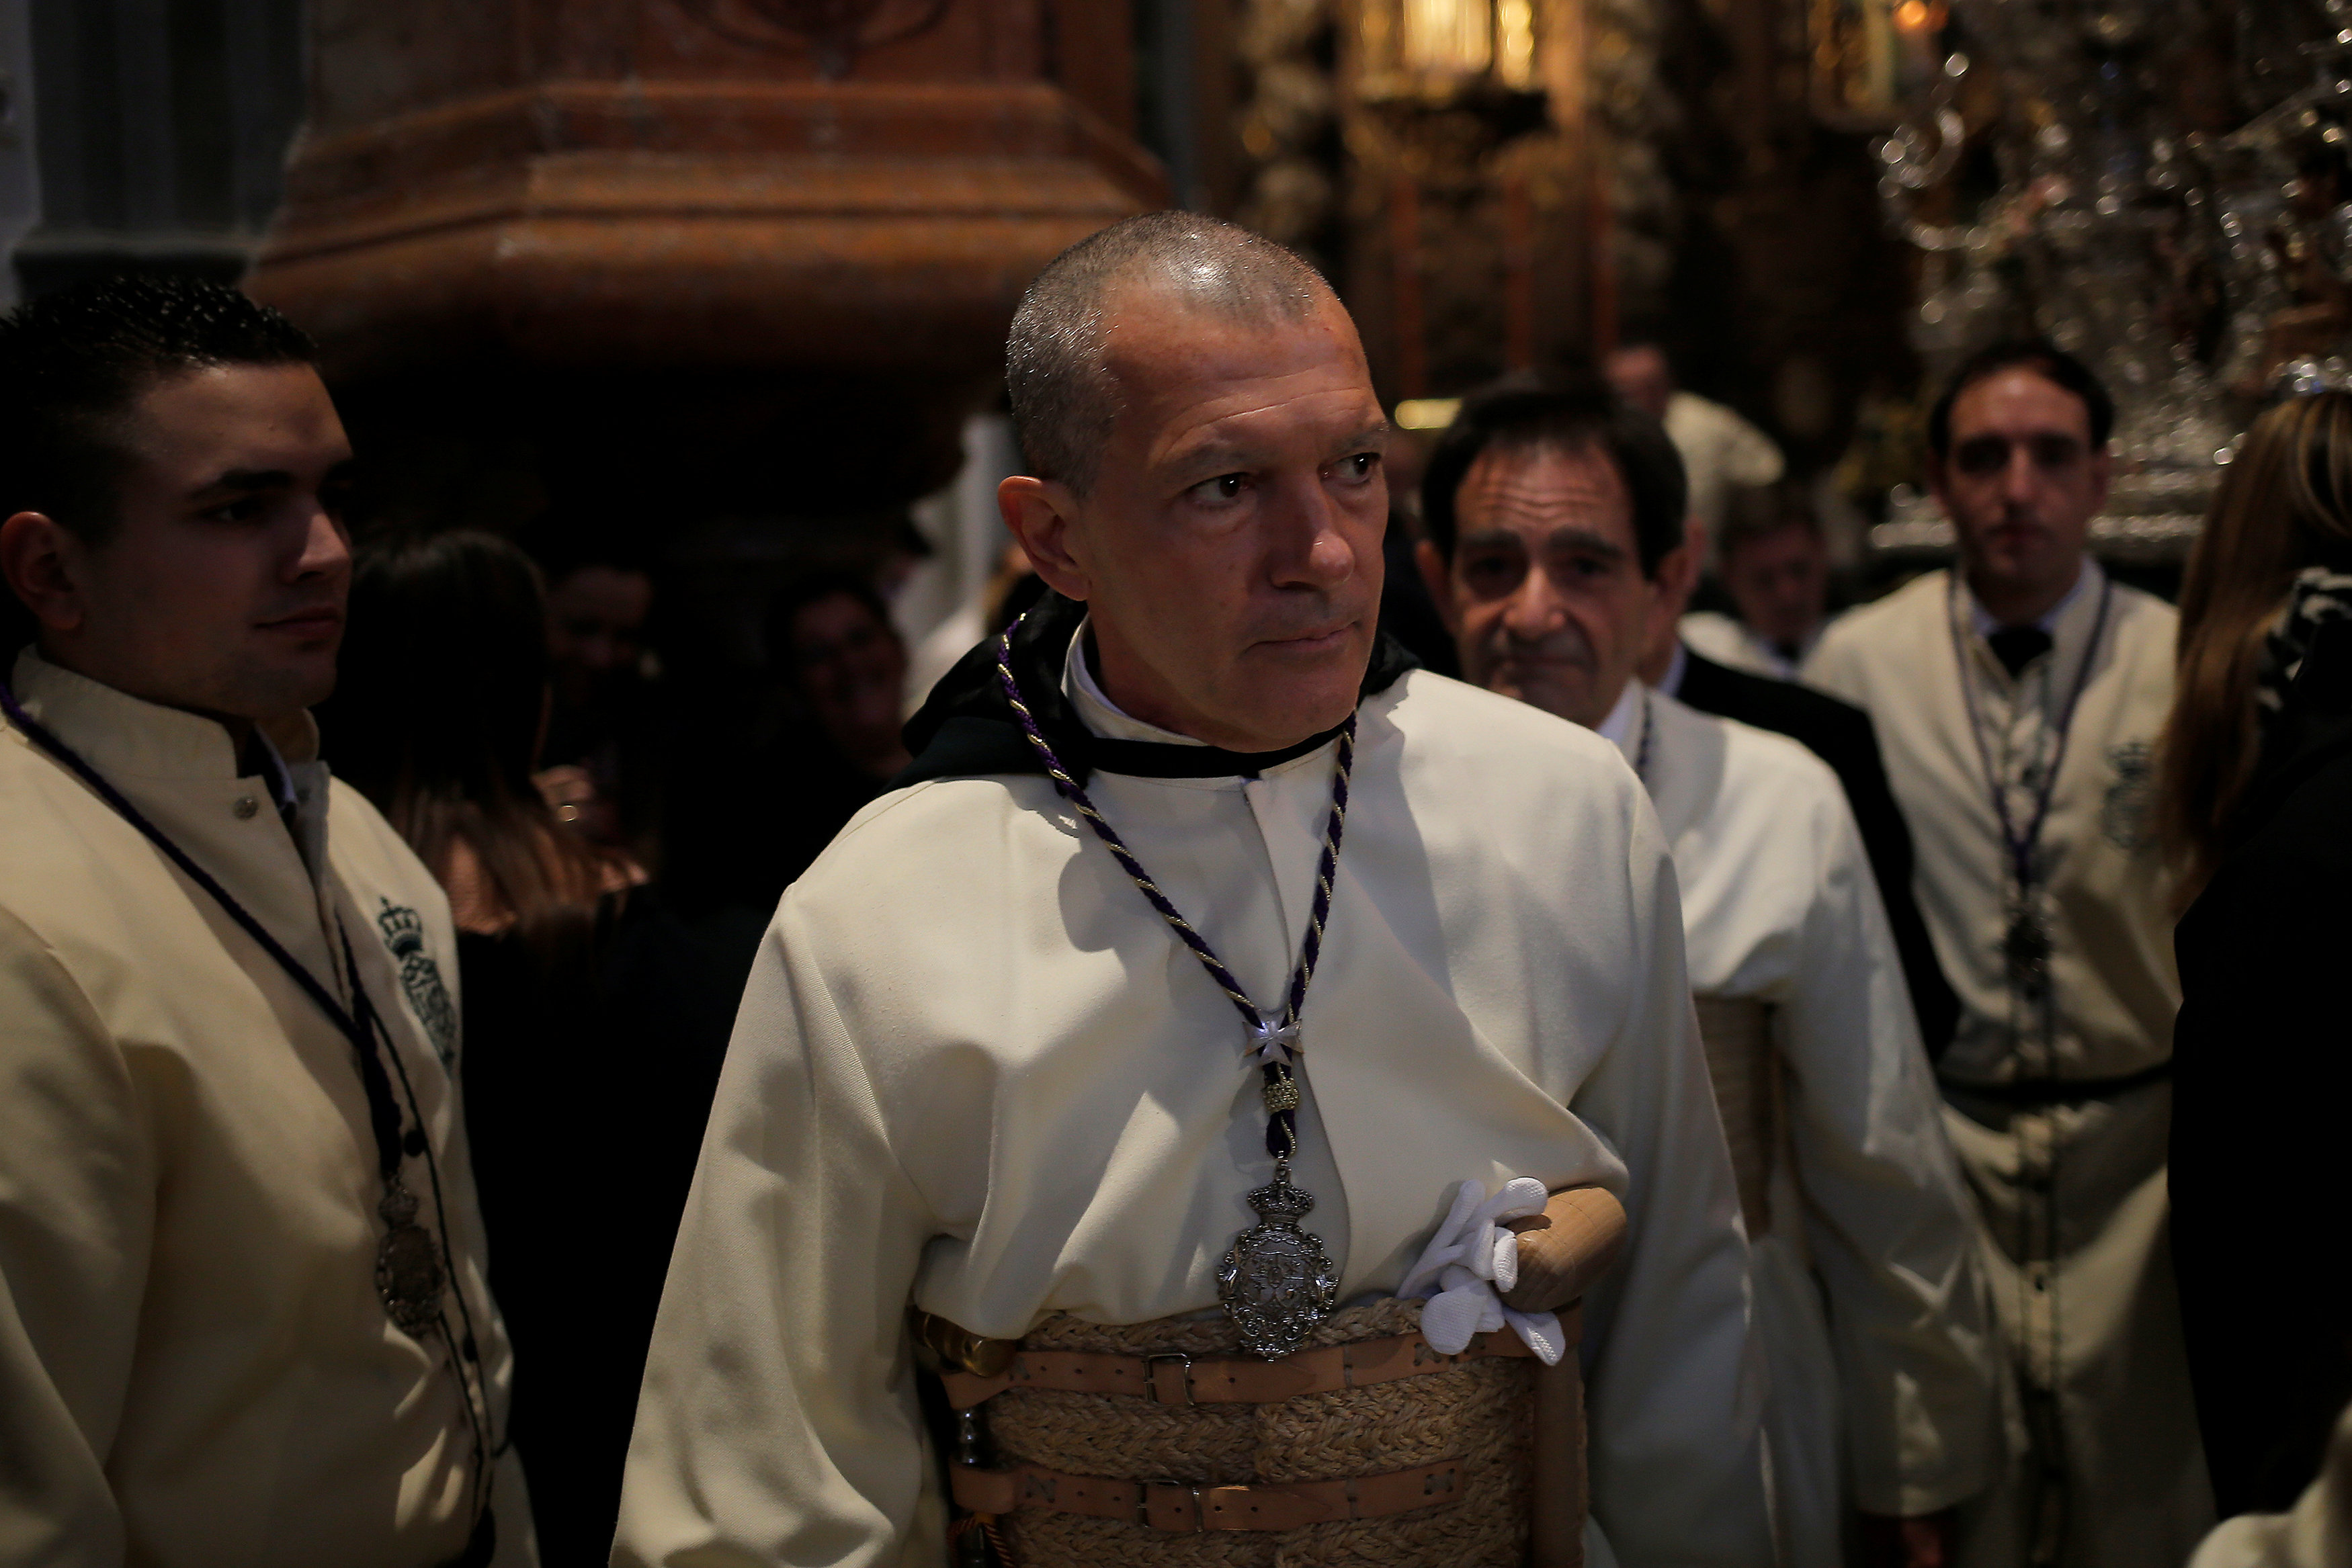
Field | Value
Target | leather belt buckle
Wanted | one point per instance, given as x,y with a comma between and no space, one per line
1184,1370
1144,1493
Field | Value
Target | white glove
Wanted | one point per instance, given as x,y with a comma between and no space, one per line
1468,1265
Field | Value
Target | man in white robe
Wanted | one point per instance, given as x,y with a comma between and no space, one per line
1722,453
201,1362
2031,672
976,1071
1556,558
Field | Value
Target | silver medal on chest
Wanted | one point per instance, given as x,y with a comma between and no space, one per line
408,1276
1276,1281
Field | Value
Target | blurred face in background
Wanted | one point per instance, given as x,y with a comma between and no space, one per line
595,631
1642,377
2020,482
1546,595
1780,582
850,666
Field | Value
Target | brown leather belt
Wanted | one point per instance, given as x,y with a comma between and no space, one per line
1222,1380
1191,1510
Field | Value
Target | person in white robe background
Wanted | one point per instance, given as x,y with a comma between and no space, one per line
1556,554
203,1361
2029,671
974,1069
1773,560
1722,453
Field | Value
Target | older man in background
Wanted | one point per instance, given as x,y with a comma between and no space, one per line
1556,531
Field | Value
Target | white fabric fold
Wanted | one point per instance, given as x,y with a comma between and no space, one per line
1470,1263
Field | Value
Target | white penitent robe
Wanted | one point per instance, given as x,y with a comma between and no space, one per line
1869,1302
2058,1111
195,1369
975,1070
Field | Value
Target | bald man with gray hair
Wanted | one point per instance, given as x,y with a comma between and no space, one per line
1256,1077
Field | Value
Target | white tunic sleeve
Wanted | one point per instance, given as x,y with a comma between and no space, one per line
1674,1401
778,1423
1887,1219
76,1217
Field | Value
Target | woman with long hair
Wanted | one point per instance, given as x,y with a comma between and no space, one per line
447,659
2270,567
2256,805
592,1024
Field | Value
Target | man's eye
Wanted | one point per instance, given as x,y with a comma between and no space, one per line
1223,487
1981,457
2053,452
1358,466
244,510
1490,574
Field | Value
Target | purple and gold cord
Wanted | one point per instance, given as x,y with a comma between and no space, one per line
1277,1044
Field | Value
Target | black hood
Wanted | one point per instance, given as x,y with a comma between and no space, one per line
966,728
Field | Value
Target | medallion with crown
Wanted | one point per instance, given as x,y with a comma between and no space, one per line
1276,1281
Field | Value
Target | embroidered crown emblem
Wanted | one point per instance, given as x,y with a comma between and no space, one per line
420,977
403,929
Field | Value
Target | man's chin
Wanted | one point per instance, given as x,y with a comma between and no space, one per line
1572,703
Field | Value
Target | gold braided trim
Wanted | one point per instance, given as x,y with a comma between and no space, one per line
1480,1414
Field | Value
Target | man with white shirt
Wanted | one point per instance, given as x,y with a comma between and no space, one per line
1722,453
2016,702
1041,1034
1554,516
1775,564
244,1314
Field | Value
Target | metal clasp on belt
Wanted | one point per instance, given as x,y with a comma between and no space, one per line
1143,1504
1152,1382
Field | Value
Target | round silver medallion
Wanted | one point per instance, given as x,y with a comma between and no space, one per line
408,1276
1276,1281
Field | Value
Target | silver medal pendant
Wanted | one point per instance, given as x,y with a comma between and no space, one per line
408,1276
1276,1281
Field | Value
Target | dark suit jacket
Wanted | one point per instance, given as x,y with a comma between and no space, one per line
1840,734
2262,1078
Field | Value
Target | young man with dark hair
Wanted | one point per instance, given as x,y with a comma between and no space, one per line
2018,697
1556,523
240,1260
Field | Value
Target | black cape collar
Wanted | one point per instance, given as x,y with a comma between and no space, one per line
966,728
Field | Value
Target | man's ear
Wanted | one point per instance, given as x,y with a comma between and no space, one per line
1439,578
1042,517
37,558
1677,574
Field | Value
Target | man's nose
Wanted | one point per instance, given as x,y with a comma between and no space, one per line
1534,610
326,547
1317,554
2019,478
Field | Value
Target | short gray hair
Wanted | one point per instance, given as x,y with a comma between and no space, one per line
1063,400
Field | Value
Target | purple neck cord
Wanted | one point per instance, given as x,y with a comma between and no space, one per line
1282,1134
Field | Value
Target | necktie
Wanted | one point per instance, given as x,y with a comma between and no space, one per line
2018,646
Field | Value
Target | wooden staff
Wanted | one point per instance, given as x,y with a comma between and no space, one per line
1563,1252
